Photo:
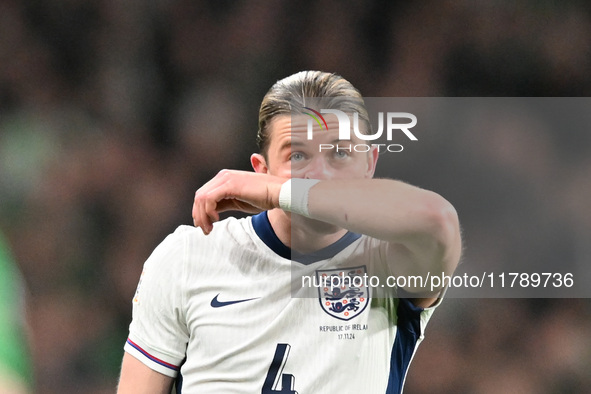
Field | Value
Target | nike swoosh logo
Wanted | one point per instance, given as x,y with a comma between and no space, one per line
215,303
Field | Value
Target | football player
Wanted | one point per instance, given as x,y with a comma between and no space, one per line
280,302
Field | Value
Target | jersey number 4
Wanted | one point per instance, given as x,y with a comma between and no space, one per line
276,382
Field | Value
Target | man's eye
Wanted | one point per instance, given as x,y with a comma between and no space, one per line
296,156
341,154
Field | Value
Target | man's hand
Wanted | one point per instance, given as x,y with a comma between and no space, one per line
232,190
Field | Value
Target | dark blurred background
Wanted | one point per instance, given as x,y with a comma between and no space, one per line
112,114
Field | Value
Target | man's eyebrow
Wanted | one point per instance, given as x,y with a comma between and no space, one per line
290,143
337,140
285,145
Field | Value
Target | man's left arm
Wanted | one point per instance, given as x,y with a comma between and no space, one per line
420,226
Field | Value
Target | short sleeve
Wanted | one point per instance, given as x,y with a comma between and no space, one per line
158,333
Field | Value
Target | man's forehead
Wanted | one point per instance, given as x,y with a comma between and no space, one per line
299,124
293,131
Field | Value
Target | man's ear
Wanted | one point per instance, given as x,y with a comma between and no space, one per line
372,161
259,164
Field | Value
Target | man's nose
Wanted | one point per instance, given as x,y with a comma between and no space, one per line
318,169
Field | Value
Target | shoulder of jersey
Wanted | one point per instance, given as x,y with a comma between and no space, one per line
220,229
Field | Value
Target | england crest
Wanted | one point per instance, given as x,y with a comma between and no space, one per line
343,293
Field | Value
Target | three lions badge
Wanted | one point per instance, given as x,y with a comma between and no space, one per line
343,293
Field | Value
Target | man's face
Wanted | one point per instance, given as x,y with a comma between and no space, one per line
292,154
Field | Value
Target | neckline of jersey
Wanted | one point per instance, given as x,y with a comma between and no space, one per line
264,230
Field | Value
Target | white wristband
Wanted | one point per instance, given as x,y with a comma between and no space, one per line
293,196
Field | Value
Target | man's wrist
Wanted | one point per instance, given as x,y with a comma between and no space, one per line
293,196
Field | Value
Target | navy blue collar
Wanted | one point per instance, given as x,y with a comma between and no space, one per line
262,227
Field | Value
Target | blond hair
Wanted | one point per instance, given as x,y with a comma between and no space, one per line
289,96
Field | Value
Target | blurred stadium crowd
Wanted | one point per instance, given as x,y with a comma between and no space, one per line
112,113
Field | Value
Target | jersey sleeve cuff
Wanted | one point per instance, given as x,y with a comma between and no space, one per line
152,359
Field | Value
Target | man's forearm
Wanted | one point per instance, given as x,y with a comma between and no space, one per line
393,211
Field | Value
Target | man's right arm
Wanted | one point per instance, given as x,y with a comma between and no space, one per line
137,378
158,335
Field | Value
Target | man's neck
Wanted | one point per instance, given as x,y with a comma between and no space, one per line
302,234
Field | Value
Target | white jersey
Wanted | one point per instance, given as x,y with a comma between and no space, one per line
221,313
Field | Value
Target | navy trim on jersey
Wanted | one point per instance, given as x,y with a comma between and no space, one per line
179,384
179,379
262,227
407,334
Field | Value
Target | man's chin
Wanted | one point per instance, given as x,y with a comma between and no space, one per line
313,225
